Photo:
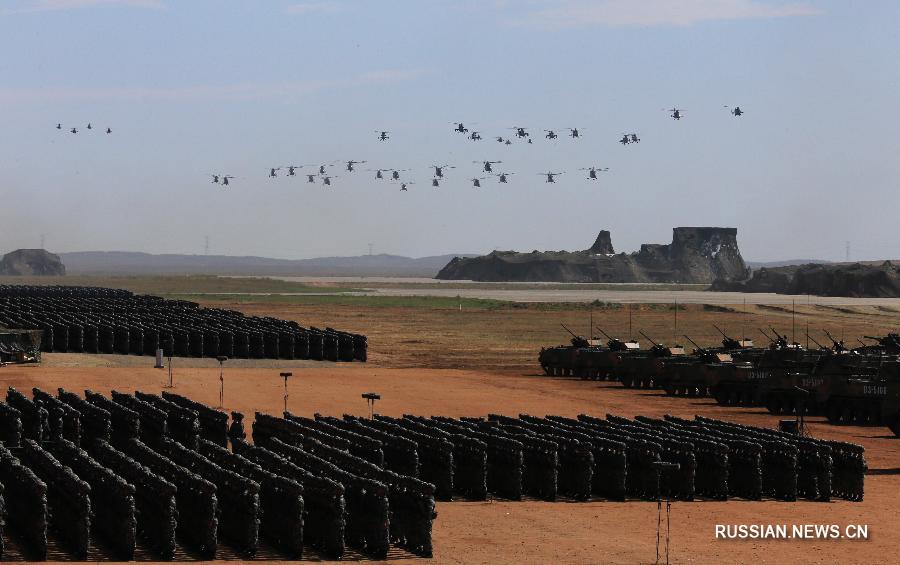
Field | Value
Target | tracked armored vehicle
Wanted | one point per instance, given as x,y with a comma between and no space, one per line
644,370
586,358
697,374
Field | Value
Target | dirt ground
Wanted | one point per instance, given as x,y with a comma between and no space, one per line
430,361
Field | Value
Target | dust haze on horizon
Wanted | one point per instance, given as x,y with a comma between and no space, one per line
237,87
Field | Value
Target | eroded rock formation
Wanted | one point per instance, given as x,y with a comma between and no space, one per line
31,262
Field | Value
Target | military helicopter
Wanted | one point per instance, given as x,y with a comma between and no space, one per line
439,170
311,177
225,179
487,165
326,180
629,138
395,173
592,172
108,131
476,182
73,130
501,177
291,169
215,179
350,165
89,125
322,168
379,173
550,134
508,142
403,186
551,177
460,128
474,136
573,132
520,132
58,126
383,135
273,172
676,113
736,111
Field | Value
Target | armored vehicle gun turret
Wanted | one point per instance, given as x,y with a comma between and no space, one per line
698,373
643,370
586,358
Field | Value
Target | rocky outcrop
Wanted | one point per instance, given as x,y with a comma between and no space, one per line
855,280
696,255
31,262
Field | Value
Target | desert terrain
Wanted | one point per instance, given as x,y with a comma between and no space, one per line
429,356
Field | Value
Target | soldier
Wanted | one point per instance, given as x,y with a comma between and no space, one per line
236,431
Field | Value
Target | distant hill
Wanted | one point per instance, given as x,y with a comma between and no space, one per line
787,263
131,263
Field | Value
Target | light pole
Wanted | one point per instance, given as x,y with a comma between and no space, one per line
371,397
221,359
285,377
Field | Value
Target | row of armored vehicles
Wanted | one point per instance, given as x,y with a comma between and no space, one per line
849,386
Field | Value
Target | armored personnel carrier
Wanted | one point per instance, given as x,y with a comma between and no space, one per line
586,358
696,374
644,370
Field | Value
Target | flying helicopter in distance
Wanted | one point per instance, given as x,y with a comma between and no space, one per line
89,125
215,179
501,177
291,169
676,113
322,168
74,130
404,185
351,164
383,135
520,132
326,180
499,139
551,177
592,172
58,126
225,179
475,136
395,173
460,128
311,177
108,131
736,111
550,134
439,170
573,132
487,165
629,138
476,182
273,172
508,142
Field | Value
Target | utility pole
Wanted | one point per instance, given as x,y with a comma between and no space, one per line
206,245
42,242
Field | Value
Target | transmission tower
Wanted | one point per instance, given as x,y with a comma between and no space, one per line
206,245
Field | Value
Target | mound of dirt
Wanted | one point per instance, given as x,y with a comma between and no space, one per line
696,255
30,263
856,280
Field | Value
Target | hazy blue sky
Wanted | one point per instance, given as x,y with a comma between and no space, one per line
237,86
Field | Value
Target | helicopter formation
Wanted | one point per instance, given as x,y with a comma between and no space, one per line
518,133
74,129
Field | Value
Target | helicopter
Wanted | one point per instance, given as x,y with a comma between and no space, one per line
592,172
350,165
403,186
573,132
474,136
550,176
476,182
291,168
508,142
501,177
439,170
629,138
73,130
379,173
273,172
225,179
311,178
383,135
499,139
108,131
89,125
520,132
322,168
676,113
487,165
736,111
395,173
58,126
460,128
326,180
215,179
550,134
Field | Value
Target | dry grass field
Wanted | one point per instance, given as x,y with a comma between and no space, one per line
428,356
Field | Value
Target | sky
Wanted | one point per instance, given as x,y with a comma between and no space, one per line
192,88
